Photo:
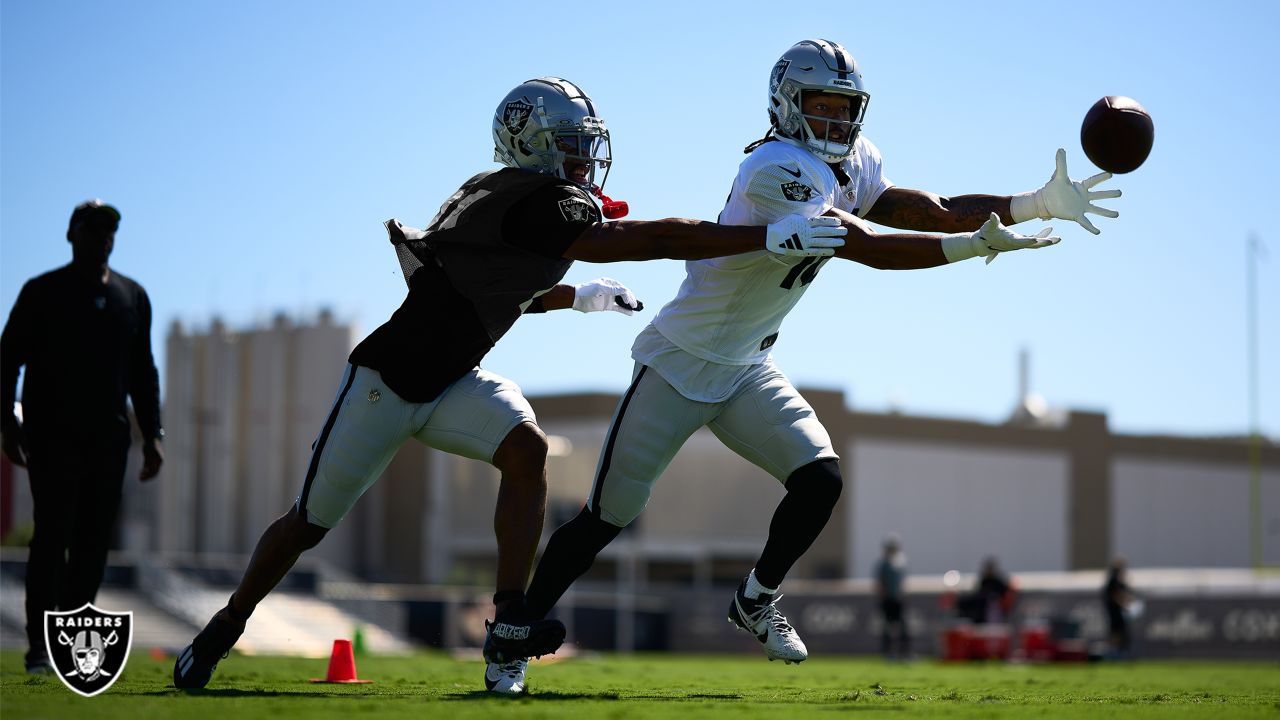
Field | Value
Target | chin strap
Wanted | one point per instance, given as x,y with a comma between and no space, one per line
612,209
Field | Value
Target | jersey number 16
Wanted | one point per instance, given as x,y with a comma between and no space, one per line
804,271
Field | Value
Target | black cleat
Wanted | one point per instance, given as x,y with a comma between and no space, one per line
197,661
508,639
37,662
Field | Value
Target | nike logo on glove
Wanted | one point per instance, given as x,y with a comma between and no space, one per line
793,173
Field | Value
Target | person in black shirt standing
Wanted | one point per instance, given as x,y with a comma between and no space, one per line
1118,599
497,249
83,333
890,575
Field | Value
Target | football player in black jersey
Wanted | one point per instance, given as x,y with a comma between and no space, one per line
497,249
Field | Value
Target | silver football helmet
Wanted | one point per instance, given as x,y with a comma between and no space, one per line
821,66
549,125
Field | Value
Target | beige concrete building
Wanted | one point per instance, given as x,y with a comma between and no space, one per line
1062,494
241,409
1045,492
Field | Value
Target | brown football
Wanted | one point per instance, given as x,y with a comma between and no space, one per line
1117,134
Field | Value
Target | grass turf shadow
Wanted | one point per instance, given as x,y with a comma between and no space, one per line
551,696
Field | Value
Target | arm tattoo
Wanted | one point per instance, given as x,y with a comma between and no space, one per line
968,212
917,210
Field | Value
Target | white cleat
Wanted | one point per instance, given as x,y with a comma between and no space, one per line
761,618
506,679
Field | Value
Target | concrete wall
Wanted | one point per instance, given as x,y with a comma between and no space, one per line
1180,513
954,505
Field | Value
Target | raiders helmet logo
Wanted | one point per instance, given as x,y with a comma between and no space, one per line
516,115
88,647
775,77
577,210
797,192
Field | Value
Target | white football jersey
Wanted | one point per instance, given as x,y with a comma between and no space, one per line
729,309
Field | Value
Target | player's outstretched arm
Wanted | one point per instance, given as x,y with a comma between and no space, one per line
1064,198
595,296
1061,198
680,239
887,251
911,251
908,209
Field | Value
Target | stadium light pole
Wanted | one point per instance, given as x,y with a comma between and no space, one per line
1253,249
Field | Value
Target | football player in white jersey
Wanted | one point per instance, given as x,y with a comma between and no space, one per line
497,249
705,358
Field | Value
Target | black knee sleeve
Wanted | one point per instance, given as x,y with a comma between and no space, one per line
570,552
818,483
812,492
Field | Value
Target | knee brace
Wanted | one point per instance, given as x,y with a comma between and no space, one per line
819,482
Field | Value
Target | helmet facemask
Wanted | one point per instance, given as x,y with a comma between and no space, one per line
835,138
576,153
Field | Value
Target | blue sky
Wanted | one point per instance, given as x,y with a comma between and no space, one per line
255,148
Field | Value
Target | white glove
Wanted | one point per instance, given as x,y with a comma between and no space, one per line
798,235
605,294
991,239
1064,198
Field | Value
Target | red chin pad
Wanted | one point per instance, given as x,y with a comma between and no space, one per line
614,209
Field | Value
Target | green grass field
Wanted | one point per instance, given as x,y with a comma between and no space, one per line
434,685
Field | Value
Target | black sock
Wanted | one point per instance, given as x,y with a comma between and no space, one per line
570,552
235,614
812,492
509,604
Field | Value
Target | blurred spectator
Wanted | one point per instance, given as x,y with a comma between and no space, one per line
993,598
890,572
83,333
1121,605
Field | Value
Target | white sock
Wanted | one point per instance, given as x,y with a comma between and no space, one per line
755,588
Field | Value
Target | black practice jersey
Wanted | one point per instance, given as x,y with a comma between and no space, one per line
85,346
495,244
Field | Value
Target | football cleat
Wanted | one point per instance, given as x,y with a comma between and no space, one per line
508,640
506,679
197,661
761,618
37,663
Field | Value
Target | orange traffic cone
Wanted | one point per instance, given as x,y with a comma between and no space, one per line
342,665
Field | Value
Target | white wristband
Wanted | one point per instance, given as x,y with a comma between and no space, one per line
1029,205
960,246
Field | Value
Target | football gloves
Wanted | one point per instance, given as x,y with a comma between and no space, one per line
605,294
1064,198
798,235
992,239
